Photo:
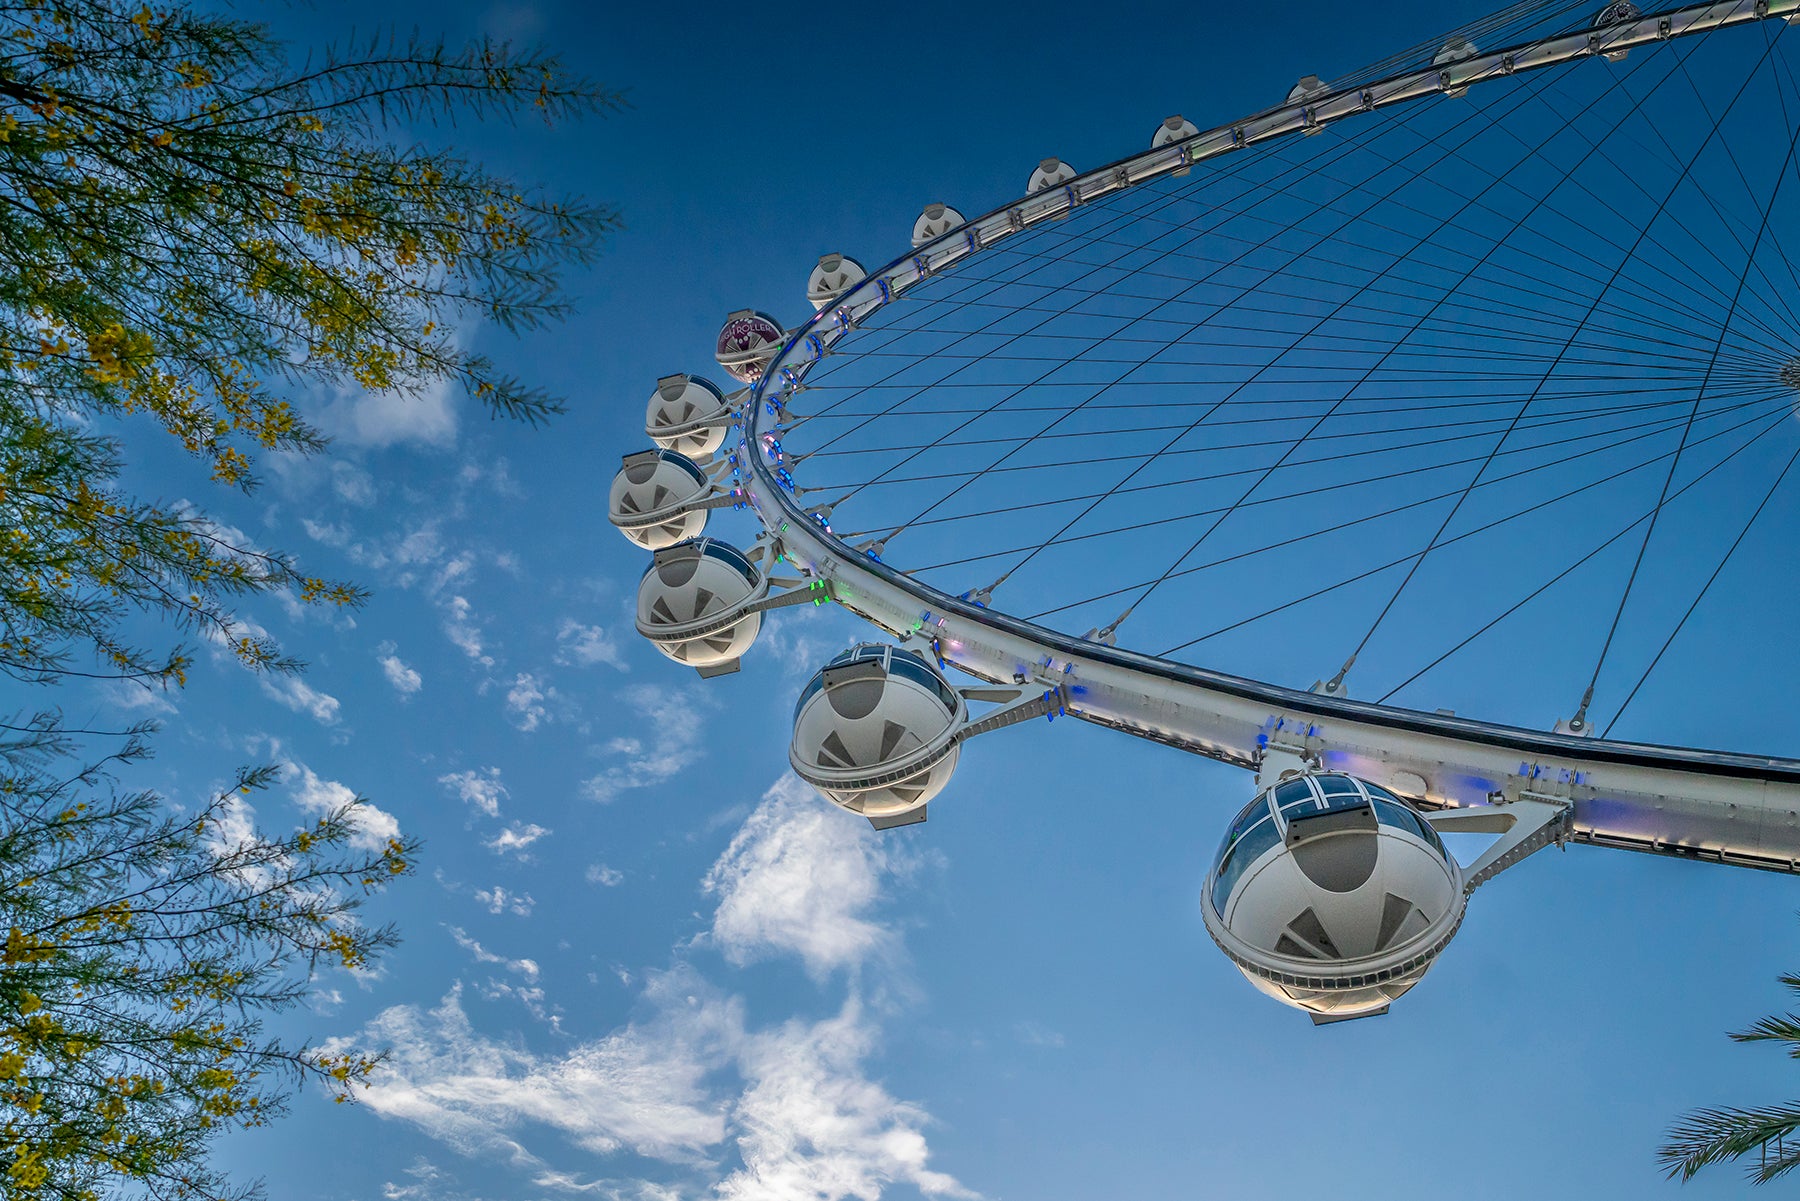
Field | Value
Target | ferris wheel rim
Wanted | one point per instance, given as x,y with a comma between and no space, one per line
769,489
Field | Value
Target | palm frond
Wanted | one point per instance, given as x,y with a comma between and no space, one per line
1709,1136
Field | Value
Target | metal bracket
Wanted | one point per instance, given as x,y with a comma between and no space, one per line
1050,704
1524,826
1290,746
815,592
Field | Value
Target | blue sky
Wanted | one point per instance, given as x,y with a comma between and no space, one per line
641,962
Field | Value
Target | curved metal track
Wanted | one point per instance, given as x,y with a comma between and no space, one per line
1719,806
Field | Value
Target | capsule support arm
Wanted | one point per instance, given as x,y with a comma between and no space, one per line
815,592
1049,704
1524,826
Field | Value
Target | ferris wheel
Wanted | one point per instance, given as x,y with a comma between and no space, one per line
1484,359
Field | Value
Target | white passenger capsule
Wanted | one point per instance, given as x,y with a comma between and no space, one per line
835,275
747,341
1616,13
659,498
694,604
1453,51
688,415
1310,87
1051,173
936,221
1333,895
875,731
1173,129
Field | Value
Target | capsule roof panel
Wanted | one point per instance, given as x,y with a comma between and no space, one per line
1269,821
683,399
710,548
639,467
890,661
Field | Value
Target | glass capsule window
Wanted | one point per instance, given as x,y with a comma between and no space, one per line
1247,817
1295,794
904,663
1390,810
1261,837
686,464
910,667
812,689
862,650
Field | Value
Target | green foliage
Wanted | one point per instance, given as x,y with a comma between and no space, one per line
191,226
141,950
1710,1136
194,229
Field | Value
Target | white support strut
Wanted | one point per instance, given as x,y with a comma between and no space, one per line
1718,806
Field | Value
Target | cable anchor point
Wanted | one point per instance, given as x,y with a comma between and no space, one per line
1335,685
1579,724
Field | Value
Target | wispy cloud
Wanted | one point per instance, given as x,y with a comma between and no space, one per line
318,797
789,1112
525,701
380,419
811,1124
527,968
1036,1034
516,838
302,697
462,628
500,900
481,789
799,878
642,1089
405,680
578,645
352,484
135,696
675,718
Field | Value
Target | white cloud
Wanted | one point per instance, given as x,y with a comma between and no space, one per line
481,789
527,968
797,879
785,1113
388,419
515,838
499,900
525,701
812,1125
233,831
803,638
302,697
461,628
460,567
1036,1034
806,1121
584,646
137,697
405,680
497,473
675,717
425,1177
329,533
604,876
374,825
352,484
234,827
640,1089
